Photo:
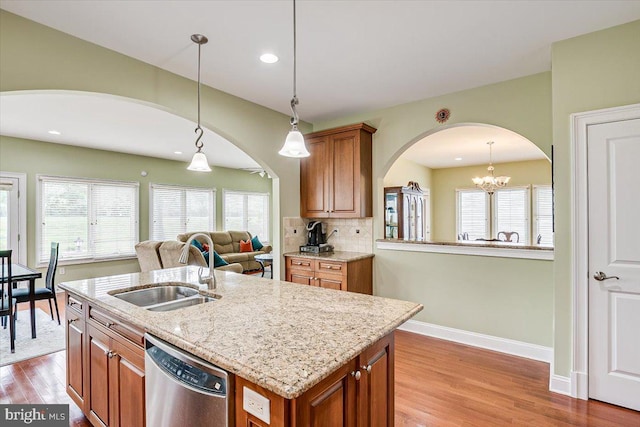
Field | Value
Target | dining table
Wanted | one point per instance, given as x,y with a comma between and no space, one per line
22,273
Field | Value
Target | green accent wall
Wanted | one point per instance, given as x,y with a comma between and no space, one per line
35,157
446,181
590,72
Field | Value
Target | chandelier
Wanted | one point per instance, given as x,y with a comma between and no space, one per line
490,183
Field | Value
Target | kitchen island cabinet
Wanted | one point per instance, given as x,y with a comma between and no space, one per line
314,353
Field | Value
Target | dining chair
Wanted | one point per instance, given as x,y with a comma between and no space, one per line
7,301
49,291
508,236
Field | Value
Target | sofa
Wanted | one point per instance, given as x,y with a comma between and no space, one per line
156,255
227,245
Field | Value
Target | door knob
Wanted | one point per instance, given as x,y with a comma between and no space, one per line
600,276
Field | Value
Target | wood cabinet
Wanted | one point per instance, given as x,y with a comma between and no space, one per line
336,180
354,276
75,338
105,366
359,393
405,213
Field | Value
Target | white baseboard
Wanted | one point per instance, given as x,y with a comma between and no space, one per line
503,345
560,384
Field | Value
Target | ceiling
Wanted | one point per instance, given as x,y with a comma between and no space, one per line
469,144
353,56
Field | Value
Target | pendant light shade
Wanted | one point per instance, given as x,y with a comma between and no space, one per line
294,144
199,162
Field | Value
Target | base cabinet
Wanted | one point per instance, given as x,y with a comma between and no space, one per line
354,276
358,394
105,368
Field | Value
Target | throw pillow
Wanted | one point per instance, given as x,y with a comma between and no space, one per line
256,243
246,246
218,261
206,247
197,244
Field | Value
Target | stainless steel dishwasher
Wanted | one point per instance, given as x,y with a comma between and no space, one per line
183,390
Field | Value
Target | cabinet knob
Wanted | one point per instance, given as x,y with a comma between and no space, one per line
70,321
110,324
112,354
367,368
356,375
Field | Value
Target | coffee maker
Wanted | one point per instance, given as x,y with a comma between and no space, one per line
316,238
316,233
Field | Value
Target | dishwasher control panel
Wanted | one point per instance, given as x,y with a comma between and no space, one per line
187,373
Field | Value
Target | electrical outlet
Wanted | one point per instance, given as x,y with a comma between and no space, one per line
256,404
61,270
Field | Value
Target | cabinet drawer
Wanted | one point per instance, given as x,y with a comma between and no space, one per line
331,267
304,264
74,303
129,332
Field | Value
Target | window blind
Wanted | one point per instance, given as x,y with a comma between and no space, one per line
247,211
543,196
511,212
472,208
177,210
91,219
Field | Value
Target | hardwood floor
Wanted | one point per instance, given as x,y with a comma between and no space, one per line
438,383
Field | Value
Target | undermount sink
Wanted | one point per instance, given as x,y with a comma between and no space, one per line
164,297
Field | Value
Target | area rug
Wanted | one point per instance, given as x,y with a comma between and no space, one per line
49,338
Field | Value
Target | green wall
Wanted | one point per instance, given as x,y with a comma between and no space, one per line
508,298
404,170
591,72
446,181
35,157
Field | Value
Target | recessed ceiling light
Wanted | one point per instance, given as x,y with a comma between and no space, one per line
268,58
458,158
54,132
177,152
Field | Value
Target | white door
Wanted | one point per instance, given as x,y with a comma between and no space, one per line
614,257
11,217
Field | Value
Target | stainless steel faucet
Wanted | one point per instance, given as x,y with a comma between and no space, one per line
209,280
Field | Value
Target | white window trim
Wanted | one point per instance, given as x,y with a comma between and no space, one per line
255,193
39,179
22,213
179,187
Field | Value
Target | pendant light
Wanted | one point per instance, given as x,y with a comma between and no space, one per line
199,161
294,144
491,183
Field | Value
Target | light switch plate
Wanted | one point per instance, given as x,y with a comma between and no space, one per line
256,404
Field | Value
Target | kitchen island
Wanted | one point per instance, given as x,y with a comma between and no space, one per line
309,350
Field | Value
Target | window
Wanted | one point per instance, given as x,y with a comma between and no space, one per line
247,211
176,210
511,212
543,214
473,212
91,219
480,217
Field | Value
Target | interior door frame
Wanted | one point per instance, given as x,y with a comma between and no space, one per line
580,123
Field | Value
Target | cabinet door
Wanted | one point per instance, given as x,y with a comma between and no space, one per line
332,402
376,391
127,367
99,381
314,179
75,357
345,175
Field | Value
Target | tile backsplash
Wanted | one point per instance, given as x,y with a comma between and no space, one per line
353,235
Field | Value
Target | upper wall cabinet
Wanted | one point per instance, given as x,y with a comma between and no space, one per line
335,180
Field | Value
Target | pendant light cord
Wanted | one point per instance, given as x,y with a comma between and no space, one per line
199,130
294,100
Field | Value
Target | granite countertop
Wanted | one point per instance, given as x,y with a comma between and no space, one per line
332,256
281,336
472,243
